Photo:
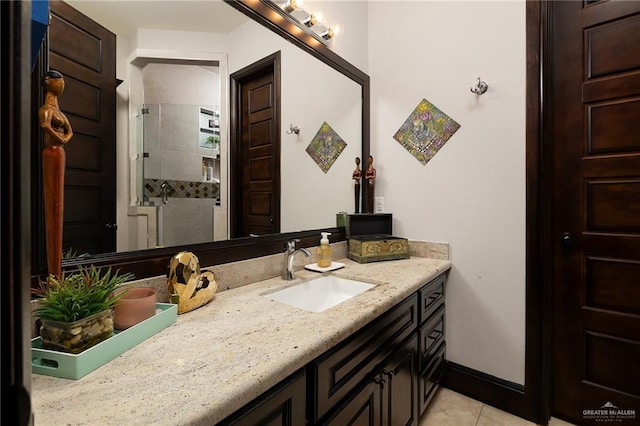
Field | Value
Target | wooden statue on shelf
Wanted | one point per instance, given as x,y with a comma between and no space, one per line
370,176
57,132
356,176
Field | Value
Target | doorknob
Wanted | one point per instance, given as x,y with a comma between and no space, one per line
111,226
566,239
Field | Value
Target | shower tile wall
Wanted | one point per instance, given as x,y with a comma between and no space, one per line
191,221
171,135
171,140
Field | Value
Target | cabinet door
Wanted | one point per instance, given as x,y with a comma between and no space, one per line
362,409
400,386
284,405
340,370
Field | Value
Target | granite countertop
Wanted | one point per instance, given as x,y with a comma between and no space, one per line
223,355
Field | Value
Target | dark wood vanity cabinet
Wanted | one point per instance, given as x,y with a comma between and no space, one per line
383,353
431,344
388,397
384,374
284,405
339,372
388,371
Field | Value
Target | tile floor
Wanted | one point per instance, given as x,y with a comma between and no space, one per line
449,408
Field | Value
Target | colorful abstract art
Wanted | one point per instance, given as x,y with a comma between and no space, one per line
325,147
425,131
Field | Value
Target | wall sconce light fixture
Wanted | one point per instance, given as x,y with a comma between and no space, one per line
304,17
289,6
322,31
310,23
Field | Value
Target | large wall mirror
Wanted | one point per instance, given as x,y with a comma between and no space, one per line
176,59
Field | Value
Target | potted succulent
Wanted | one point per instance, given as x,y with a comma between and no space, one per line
75,310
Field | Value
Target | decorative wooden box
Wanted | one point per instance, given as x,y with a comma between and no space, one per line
370,238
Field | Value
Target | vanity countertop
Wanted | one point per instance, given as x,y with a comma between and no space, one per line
223,355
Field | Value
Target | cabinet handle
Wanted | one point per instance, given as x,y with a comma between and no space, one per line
435,334
388,373
379,381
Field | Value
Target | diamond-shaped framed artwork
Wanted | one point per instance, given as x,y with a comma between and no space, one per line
325,147
425,131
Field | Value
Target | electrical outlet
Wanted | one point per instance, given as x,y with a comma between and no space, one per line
379,205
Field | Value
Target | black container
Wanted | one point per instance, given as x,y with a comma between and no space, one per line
370,224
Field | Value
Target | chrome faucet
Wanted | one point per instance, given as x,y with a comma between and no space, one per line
289,254
164,193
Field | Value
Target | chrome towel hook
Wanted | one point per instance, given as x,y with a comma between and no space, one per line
480,87
293,129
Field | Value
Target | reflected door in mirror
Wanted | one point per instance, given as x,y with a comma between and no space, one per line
259,151
89,102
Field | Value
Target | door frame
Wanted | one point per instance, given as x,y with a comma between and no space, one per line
236,80
539,238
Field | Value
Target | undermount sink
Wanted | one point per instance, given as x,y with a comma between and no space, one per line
320,294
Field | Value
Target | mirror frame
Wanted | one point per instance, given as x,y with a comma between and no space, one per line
153,262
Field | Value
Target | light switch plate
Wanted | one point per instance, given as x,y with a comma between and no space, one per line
379,205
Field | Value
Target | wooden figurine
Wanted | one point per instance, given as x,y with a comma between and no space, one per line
370,176
57,132
356,176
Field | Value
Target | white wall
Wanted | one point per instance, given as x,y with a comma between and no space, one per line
181,84
472,193
310,198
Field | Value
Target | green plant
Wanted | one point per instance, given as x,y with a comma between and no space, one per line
72,253
78,295
212,140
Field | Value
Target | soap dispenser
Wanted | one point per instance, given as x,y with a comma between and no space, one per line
324,251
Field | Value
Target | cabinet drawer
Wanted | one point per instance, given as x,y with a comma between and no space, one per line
431,334
431,297
340,370
430,378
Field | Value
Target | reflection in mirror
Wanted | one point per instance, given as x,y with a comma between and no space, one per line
169,72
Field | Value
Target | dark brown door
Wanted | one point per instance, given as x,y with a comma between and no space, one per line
84,52
256,210
595,80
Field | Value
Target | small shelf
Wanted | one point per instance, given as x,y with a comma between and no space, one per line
211,169
209,129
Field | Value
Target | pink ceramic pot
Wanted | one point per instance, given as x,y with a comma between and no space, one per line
135,305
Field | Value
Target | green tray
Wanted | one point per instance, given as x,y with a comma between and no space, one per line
75,366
